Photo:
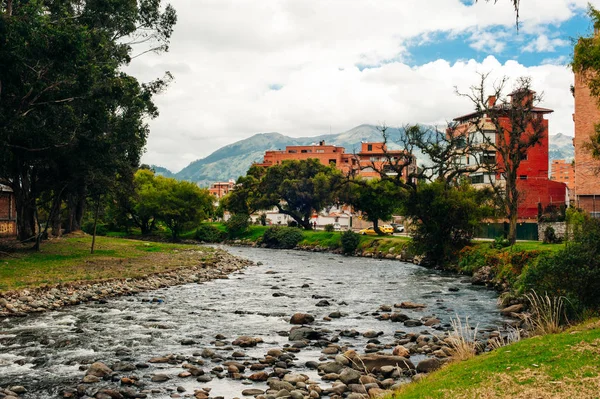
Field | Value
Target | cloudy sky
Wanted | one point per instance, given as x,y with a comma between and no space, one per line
305,67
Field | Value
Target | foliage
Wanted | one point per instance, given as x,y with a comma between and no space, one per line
376,198
329,228
101,228
572,272
552,213
237,225
445,217
350,241
550,236
72,123
209,233
295,188
282,237
500,242
462,339
547,314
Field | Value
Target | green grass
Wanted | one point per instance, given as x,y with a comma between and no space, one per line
69,259
545,366
322,238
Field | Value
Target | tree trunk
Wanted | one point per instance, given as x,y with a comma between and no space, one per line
95,224
376,227
56,221
25,204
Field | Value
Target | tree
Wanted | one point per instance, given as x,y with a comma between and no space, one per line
64,100
445,217
143,205
377,199
182,204
297,189
505,130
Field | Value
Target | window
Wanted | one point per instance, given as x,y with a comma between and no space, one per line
292,151
369,147
320,151
477,179
523,177
373,159
305,151
524,157
333,161
488,158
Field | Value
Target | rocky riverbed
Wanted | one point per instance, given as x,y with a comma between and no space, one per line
300,325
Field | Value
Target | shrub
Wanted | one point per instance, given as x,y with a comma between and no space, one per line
237,225
350,241
550,236
500,242
282,237
329,228
572,272
209,233
101,228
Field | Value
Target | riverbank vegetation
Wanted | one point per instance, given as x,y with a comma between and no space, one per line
68,259
556,365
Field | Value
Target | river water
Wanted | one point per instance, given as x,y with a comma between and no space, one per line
48,352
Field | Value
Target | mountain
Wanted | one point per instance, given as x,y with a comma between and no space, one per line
233,160
561,147
160,171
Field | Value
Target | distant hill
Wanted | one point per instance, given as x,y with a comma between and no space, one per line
160,171
233,160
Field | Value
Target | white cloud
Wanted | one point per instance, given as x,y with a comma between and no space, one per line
544,44
227,55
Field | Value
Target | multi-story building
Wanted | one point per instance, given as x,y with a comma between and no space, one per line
220,189
587,168
486,164
373,157
564,172
8,212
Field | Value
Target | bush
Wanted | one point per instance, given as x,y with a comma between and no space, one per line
500,242
101,228
282,237
350,241
550,236
573,272
329,228
209,233
237,225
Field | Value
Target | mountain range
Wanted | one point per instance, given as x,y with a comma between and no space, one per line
233,160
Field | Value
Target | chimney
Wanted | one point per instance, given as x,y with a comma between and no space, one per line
322,142
491,101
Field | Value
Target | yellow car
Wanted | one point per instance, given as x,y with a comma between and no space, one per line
370,231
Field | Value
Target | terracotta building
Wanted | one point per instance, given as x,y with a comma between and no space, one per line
8,212
564,172
587,169
373,156
533,184
220,189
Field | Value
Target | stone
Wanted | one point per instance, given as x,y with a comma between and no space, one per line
160,378
349,376
371,362
428,365
398,317
512,309
252,392
90,379
410,305
323,303
302,333
330,367
432,322
246,342
400,350
279,385
99,369
302,318
260,376
413,323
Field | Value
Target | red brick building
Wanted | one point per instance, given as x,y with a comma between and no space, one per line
587,168
564,172
371,158
8,212
533,184
220,189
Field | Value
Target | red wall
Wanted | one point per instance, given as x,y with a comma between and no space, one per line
533,191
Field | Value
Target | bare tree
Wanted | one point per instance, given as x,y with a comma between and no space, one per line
500,133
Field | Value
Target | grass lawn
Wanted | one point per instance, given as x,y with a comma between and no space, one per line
69,259
565,365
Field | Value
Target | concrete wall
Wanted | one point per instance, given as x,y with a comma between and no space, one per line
560,228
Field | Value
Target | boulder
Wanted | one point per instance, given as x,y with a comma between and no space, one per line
302,333
349,376
413,323
99,369
372,362
302,318
428,365
401,351
512,309
410,305
398,317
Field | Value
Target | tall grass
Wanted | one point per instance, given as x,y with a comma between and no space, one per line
462,339
547,313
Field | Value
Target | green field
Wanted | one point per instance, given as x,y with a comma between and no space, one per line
565,365
69,259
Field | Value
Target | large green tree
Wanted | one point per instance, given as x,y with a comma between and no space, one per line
68,114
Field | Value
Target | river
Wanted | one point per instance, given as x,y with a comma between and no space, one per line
48,352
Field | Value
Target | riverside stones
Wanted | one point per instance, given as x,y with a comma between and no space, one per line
99,369
302,318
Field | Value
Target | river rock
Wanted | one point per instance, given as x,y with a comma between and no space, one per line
330,367
246,341
323,303
398,317
432,322
428,365
260,376
413,323
372,362
400,350
302,333
302,318
160,378
349,376
99,369
252,392
512,309
410,305
279,385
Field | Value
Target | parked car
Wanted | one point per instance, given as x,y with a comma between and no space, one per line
398,228
337,226
370,231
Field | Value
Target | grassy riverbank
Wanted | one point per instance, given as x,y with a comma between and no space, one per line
564,365
68,259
